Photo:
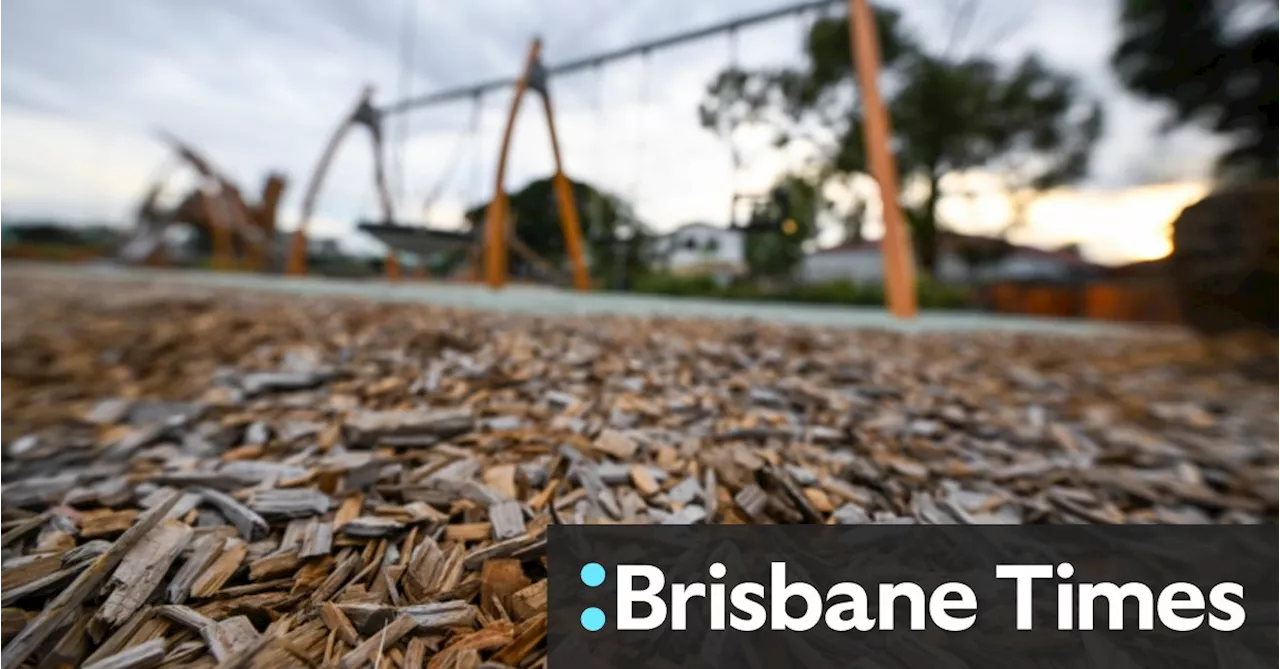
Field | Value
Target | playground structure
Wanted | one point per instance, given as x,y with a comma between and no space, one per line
214,206
489,249
1221,270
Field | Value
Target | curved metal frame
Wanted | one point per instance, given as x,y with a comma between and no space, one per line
496,239
364,114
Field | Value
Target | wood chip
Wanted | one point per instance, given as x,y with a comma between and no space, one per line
386,638
507,520
203,552
530,600
277,504
225,563
105,522
141,656
141,570
57,611
337,621
427,617
367,427
500,578
317,540
246,520
381,461
616,444
233,636
643,480
273,565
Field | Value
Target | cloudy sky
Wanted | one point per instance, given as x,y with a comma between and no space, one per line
259,85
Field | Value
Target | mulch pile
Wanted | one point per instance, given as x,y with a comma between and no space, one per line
240,480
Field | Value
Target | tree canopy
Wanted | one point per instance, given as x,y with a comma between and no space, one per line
1214,63
779,226
611,231
1028,122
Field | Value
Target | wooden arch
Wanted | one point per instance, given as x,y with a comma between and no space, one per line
216,205
496,239
895,248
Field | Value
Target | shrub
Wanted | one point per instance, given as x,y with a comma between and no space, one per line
668,284
931,294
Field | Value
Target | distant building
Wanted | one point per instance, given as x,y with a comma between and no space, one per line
1141,270
961,258
701,248
856,262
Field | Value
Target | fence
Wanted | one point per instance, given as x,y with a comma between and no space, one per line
1141,300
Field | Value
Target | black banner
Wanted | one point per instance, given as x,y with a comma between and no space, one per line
913,596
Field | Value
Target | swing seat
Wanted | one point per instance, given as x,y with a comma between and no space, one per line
416,239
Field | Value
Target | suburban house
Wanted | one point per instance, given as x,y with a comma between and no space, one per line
701,248
961,258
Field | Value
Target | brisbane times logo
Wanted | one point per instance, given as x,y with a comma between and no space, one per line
645,602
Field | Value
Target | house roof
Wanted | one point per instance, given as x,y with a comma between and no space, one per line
848,247
1064,256
1141,268
1067,256
697,226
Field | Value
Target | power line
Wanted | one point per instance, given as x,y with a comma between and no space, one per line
608,56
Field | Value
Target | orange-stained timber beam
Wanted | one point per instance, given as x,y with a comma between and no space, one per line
569,223
393,266
224,255
899,270
495,235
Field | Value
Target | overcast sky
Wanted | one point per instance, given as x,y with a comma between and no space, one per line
259,85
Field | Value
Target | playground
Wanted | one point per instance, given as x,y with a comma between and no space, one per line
242,233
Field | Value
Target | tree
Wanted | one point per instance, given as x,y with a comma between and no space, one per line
1029,122
1214,63
852,223
612,233
779,227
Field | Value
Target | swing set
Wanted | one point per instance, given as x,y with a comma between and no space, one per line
489,248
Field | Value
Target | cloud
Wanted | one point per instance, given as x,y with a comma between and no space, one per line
259,86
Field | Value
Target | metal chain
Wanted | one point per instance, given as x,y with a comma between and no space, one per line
476,187
732,149
638,127
597,202
407,48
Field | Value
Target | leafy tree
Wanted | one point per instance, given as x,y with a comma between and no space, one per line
852,223
1029,123
611,231
779,227
1214,63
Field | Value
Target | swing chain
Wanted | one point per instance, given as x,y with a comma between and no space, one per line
735,160
596,225
449,173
